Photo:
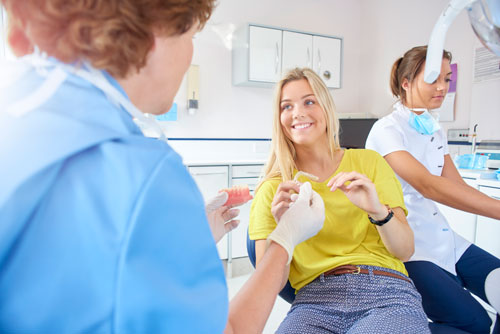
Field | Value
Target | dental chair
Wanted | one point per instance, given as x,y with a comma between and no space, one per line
288,293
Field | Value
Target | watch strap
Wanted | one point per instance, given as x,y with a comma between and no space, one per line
383,221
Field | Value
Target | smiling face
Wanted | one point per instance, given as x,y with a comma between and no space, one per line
429,96
302,118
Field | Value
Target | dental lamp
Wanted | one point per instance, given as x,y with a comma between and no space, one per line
484,16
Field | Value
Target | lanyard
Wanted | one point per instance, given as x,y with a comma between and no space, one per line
56,77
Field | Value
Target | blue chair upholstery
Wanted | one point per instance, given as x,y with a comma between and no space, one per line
288,293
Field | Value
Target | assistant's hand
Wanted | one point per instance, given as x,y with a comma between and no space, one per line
360,191
303,219
220,218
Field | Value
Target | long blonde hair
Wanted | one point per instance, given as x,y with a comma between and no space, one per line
281,162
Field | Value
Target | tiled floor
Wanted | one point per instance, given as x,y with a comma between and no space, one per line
280,309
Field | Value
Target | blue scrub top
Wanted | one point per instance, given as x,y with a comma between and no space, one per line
102,230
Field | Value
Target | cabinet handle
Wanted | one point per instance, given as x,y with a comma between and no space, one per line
207,173
319,61
308,58
277,59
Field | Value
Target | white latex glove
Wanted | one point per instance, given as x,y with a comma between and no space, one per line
303,220
220,218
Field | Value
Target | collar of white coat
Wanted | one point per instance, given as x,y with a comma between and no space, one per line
100,79
405,112
402,110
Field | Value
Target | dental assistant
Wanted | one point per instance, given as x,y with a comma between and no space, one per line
445,267
102,229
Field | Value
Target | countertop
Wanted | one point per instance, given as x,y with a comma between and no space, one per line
482,176
211,162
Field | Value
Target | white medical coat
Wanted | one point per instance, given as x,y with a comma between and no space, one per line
435,241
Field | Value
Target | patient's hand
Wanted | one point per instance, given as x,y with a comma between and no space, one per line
283,198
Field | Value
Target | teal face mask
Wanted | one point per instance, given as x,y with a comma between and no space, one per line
424,123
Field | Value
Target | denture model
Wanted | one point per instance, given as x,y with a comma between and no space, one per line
238,195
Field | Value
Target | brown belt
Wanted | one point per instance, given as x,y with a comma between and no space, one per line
350,269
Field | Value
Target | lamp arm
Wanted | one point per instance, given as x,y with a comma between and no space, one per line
436,42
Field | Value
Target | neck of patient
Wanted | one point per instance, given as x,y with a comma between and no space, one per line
316,161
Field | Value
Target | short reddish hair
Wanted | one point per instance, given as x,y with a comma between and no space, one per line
114,35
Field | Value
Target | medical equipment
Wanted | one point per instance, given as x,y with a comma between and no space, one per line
484,16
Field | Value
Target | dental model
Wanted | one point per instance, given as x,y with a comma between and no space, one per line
238,195
311,176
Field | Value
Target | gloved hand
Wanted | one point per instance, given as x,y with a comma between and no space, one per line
302,220
220,218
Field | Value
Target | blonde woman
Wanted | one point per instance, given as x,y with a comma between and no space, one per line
350,276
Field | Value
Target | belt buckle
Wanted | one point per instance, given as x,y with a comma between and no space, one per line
357,271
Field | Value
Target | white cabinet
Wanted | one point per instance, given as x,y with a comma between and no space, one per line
210,179
256,55
262,54
327,59
249,175
297,50
488,229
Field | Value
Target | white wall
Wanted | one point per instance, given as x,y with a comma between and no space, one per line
394,27
245,112
375,33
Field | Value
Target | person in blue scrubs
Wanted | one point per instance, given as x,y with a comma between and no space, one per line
103,230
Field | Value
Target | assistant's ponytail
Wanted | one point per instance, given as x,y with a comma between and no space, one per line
395,84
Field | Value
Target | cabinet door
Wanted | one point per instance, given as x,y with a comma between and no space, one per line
244,174
297,50
327,59
239,235
265,48
488,229
210,179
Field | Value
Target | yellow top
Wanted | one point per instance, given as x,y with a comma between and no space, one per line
347,236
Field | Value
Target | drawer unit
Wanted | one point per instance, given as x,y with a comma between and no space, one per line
239,235
244,171
488,229
210,179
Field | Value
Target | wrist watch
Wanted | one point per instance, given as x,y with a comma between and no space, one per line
383,221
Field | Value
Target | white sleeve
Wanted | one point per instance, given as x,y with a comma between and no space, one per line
385,138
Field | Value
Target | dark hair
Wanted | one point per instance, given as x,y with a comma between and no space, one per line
115,35
408,67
